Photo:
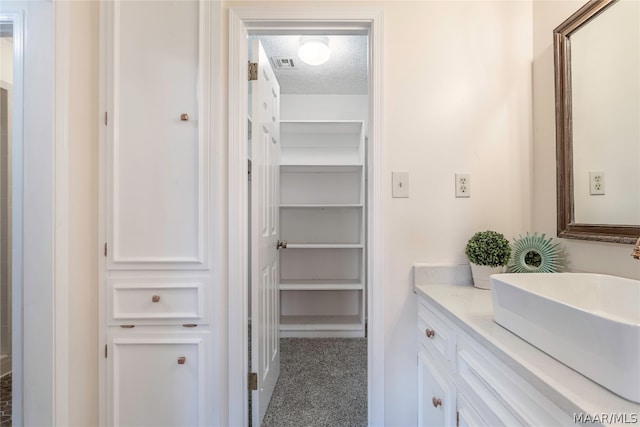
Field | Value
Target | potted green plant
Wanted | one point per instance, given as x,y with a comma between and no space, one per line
488,253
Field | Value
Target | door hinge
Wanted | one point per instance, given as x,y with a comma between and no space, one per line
105,248
457,419
253,71
106,118
253,381
106,351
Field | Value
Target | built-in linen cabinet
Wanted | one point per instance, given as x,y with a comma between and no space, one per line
322,219
156,334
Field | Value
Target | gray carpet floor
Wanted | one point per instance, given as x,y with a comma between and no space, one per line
323,382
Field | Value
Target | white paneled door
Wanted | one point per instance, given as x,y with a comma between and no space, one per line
265,230
155,275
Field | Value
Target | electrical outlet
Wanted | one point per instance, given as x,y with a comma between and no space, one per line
400,184
463,185
596,183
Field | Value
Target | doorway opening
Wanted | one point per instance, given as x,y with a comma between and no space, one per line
6,138
308,127
244,22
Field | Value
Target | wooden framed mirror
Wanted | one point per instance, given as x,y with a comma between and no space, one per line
598,122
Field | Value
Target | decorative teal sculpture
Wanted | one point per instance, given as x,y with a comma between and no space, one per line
535,254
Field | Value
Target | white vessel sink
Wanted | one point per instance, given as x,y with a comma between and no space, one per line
589,322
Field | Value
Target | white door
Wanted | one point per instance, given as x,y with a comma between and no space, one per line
265,230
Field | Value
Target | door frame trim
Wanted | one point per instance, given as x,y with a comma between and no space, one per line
62,20
16,15
241,20
43,397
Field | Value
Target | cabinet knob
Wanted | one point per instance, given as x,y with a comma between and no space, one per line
430,333
184,117
155,298
436,402
183,359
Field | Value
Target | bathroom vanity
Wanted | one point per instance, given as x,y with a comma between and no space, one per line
473,372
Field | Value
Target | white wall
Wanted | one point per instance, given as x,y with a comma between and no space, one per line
6,136
324,107
6,60
83,213
585,256
457,91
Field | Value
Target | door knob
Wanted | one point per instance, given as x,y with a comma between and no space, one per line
281,244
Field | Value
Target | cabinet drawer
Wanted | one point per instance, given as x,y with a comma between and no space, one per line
435,333
498,394
157,301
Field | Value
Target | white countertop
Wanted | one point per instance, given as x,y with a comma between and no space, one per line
471,310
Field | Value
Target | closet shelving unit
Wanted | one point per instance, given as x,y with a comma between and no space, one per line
322,218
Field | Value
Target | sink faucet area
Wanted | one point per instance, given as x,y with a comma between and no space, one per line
589,322
636,250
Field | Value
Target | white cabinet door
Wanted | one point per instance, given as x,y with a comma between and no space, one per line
467,415
436,396
265,232
157,380
157,135
156,274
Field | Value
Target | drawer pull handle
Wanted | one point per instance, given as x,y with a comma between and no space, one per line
189,325
155,298
184,117
430,333
183,359
436,402
127,326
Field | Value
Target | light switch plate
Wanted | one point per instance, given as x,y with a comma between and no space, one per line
400,181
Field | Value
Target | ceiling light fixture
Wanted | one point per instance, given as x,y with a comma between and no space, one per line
314,50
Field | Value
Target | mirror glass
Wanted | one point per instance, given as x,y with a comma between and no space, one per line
605,89
597,78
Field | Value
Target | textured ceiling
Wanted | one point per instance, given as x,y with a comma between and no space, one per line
344,73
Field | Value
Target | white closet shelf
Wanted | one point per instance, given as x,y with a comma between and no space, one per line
330,125
321,285
320,168
322,216
325,246
306,323
321,205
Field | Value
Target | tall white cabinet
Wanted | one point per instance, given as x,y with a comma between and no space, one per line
323,220
156,263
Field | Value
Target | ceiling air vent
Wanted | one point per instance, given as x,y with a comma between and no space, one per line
283,63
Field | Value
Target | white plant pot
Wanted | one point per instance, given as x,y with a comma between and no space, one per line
481,275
